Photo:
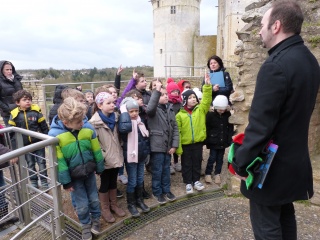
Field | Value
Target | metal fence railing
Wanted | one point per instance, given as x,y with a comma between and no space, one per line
19,199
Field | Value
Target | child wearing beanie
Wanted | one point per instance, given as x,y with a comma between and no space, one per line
219,136
191,121
136,147
174,98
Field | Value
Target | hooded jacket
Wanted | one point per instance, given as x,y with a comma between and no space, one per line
7,89
75,148
192,127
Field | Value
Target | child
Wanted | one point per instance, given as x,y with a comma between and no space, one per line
29,116
57,100
175,103
105,122
79,157
184,85
191,120
89,96
219,136
136,147
164,140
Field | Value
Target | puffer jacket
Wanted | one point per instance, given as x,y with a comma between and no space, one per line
30,119
7,89
109,141
163,129
75,148
219,130
125,126
192,127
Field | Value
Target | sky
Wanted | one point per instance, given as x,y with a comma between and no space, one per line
78,34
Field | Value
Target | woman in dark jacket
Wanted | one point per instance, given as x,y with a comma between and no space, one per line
10,82
215,64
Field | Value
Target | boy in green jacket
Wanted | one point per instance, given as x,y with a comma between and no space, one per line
191,121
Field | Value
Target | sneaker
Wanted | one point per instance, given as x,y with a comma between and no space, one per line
177,167
208,179
170,196
172,171
189,189
123,179
119,194
86,232
160,198
95,227
198,185
217,179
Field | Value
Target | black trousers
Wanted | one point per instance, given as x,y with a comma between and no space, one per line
191,162
273,222
108,179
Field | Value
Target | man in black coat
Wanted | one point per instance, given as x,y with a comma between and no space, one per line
284,98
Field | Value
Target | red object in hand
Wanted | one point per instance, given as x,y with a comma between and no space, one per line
231,170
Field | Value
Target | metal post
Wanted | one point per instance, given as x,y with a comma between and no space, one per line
23,185
56,193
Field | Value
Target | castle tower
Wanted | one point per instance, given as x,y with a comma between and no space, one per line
175,24
229,22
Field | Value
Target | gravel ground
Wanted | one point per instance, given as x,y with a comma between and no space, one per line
225,219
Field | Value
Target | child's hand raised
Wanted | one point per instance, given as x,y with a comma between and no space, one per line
207,79
158,85
135,74
120,69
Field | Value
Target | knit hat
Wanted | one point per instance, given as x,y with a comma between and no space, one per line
220,102
102,96
171,85
130,103
185,95
180,83
198,93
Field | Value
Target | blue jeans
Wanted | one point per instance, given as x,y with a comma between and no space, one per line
38,157
121,170
86,198
216,156
160,173
135,173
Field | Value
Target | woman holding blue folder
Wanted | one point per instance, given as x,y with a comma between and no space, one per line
220,79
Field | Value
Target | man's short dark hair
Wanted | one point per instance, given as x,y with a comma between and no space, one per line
17,96
289,13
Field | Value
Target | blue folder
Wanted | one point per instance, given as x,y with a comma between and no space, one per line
217,78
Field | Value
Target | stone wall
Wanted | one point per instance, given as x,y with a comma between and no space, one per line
252,55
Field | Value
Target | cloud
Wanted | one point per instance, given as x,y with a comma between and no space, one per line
77,34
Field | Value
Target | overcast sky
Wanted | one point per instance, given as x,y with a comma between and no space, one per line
76,34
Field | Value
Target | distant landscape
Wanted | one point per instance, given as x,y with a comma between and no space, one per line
54,76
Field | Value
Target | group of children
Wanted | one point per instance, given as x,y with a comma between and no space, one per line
100,133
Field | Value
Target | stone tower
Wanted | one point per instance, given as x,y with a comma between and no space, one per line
230,22
175,25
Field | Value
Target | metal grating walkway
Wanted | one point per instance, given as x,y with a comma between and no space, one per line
129,225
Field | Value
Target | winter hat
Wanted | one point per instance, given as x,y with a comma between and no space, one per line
185,95
180,83
102,96
171,85
198,93
220,102
130,103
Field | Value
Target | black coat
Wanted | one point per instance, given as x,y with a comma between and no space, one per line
219,130
284,98
7,89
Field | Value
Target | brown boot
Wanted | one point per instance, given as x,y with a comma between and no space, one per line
113,202
105,207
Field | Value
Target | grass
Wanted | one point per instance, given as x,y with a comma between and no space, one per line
314,40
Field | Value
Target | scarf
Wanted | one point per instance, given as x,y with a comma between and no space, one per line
132,148
175,99
110,121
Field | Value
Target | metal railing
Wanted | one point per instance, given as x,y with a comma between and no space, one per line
25,199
